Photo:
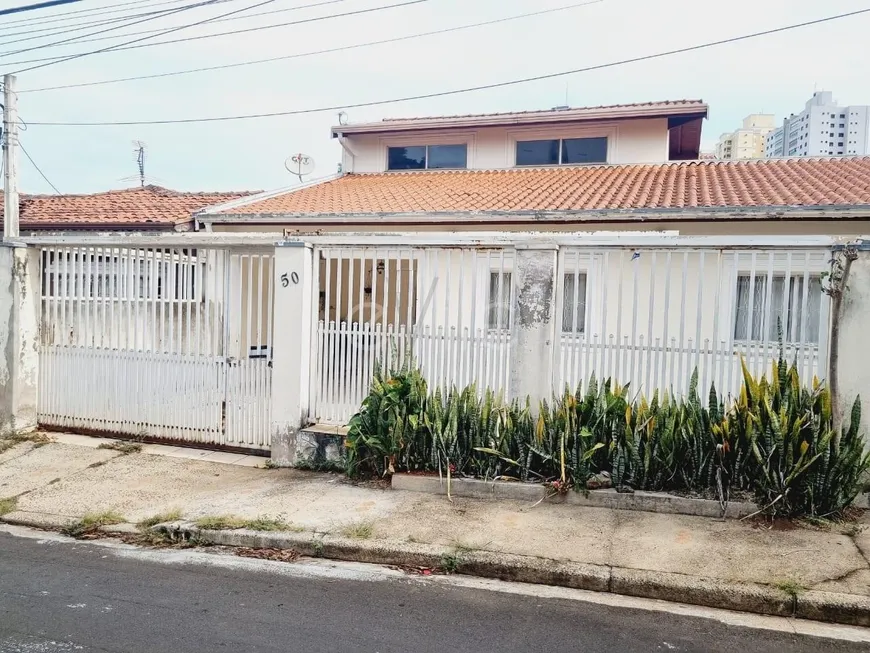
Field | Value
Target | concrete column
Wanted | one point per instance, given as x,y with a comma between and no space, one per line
854,365
19,337
292,347
533,328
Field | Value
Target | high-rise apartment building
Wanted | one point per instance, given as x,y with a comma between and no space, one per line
823,128
748,141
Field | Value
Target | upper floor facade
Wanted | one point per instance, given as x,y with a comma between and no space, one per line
637,133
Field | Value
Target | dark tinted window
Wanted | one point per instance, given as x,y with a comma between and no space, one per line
584,150
537,153
406,158
448,156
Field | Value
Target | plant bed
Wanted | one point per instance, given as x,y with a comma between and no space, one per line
775,441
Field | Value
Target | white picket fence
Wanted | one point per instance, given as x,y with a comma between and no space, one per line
644,315
383,306
652,316
166,343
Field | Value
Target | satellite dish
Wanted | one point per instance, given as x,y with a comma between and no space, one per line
299,165
342,118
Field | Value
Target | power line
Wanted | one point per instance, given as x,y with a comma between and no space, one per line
151,31
162,14
38,169
39,5
299,55
128,45
92,12
143,38
88,22
470,89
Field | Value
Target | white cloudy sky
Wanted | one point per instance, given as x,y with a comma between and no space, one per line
775,74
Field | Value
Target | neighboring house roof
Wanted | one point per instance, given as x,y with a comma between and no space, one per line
667,109
584,192
148,207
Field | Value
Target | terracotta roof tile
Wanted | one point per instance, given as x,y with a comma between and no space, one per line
696,184
147,207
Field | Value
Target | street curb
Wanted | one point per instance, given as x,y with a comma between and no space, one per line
645,501
680,588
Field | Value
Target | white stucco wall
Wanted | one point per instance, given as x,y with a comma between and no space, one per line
630,141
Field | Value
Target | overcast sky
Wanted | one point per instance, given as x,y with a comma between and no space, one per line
774,74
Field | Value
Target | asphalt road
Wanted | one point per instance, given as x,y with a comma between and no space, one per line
59,596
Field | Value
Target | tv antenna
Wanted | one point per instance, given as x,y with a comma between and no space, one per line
140,160
299,165
139,149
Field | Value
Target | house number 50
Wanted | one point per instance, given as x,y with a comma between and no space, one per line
285,280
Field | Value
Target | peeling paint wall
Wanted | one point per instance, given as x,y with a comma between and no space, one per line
19,338
533,326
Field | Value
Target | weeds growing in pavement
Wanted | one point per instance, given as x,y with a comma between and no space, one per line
38,440
362,530
791,588
7,505
160,518
91,523
122,445
232,522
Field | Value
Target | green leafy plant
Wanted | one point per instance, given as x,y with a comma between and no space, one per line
804,466
776,439
386,426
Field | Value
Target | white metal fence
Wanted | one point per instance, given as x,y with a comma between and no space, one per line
448,307
171,343
651,316
644,315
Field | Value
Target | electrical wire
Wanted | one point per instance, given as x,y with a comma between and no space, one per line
299,55
143,38
163,14
39,5
94,11
129,45
151,31
470,89
38,169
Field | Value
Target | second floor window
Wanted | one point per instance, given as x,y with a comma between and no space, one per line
427,157
562,151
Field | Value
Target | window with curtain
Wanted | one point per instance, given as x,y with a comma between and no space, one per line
758,315
574,303
499,310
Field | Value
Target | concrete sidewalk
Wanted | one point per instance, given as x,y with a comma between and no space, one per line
626,552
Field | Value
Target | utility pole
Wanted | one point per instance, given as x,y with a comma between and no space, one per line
10,158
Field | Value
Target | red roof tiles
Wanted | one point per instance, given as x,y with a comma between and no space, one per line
685,185
147,207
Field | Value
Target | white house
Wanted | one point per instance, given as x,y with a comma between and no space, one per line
658,286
